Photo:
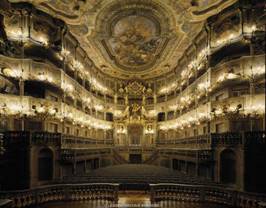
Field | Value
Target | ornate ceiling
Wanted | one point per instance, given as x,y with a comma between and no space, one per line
133,39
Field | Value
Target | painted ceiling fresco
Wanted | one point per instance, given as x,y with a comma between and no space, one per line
134,41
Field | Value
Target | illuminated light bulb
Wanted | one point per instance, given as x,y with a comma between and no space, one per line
98,85
52,111
163,128
16,33
49,79
41,77
172,107
231,36
65,52
259,70
231,108
98,107
68,87
152,112
88,100
219,111
42,39
219,41
251,28
190,119
15,107
183,73
162,90
118,113
173,85
70,115
40,109
202,86
77,64
231,76
15,73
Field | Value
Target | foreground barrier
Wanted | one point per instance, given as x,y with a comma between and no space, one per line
208,194
107,193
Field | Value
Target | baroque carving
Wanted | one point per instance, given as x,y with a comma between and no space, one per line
92,21
135,88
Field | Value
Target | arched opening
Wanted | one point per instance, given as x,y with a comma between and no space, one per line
228,167
45,165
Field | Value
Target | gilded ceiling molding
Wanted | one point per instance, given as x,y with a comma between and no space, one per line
212,8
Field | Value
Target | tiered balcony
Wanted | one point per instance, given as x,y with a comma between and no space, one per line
12,105
242,105
47,73
62,192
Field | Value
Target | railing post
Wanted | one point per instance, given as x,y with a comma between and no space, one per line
202,194
66,191
152,198
116,193
234,199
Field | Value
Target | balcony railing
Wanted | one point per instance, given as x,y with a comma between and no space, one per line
212,140
54,139
72,155
62,192
83,143
205,193
197,142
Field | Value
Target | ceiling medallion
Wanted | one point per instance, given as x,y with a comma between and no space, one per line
134,37
135,42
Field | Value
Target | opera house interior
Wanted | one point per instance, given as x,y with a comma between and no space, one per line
132,103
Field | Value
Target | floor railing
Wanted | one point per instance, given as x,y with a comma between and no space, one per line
207,194
62,192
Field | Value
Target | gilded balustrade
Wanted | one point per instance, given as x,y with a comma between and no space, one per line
206,193
62,192
212,140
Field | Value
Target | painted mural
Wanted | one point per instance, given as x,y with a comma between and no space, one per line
134,40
